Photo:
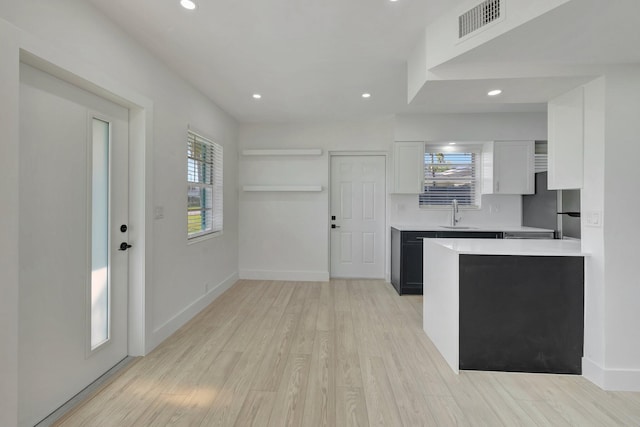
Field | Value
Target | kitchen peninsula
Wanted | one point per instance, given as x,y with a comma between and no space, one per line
505,305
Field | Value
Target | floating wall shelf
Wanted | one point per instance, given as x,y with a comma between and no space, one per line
283,152
299,188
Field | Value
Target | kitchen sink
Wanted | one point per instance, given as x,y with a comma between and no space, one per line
458,227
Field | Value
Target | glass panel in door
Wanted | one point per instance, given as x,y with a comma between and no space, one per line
100,280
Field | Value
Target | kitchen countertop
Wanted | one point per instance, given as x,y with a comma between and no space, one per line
530,247
496,228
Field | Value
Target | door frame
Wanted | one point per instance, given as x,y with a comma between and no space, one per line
386,234
140,178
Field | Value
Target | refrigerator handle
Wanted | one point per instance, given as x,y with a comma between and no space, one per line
571,214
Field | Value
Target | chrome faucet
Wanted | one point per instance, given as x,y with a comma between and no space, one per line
454,211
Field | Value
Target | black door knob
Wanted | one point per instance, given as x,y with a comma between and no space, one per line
124,246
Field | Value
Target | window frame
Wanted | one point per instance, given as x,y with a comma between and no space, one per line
208,178
448,147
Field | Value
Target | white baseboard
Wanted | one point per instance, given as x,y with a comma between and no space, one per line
165,330
593,372
297,276
611,379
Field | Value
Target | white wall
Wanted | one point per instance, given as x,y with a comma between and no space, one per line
612,288
417,68
286,235
592,200
9,217
181,278
471,127
622,234
495,209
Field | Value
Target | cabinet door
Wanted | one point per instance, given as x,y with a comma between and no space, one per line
514,167
412,273
566,134
408,167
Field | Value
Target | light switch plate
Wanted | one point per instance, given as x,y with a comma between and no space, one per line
158,212
593,218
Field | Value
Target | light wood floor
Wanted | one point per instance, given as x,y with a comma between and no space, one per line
343,353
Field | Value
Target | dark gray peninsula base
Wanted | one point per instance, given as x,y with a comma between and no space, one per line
521,313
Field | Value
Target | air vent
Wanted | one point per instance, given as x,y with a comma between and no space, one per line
476,18
540,163
541,157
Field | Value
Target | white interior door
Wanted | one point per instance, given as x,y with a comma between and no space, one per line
73,278
357,216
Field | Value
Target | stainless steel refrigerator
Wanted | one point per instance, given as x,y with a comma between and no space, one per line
557,210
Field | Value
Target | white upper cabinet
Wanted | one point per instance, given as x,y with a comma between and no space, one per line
508,167
408,167
566,135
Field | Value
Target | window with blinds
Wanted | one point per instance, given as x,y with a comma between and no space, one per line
450,173
204,186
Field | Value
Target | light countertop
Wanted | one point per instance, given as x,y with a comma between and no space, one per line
531,247
495,228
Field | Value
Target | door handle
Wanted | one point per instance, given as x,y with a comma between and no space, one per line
124,246
335,226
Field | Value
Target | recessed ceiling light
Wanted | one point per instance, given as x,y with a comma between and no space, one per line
494,92
366,95
393,1
257,96
188,4
452,143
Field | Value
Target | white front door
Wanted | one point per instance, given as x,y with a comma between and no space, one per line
73,277
357,216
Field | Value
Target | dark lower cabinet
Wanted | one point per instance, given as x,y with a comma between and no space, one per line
521,313
406,255
406,260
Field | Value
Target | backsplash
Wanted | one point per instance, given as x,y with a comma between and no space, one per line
503,210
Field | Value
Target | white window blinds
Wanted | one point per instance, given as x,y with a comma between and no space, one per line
204,186
450,173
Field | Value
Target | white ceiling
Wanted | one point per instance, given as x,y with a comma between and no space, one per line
311,60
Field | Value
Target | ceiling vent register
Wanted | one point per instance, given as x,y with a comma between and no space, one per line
541,162
541,156
476,18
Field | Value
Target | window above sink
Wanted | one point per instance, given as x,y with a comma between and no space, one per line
451,171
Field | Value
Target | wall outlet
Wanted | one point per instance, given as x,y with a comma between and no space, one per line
593,218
